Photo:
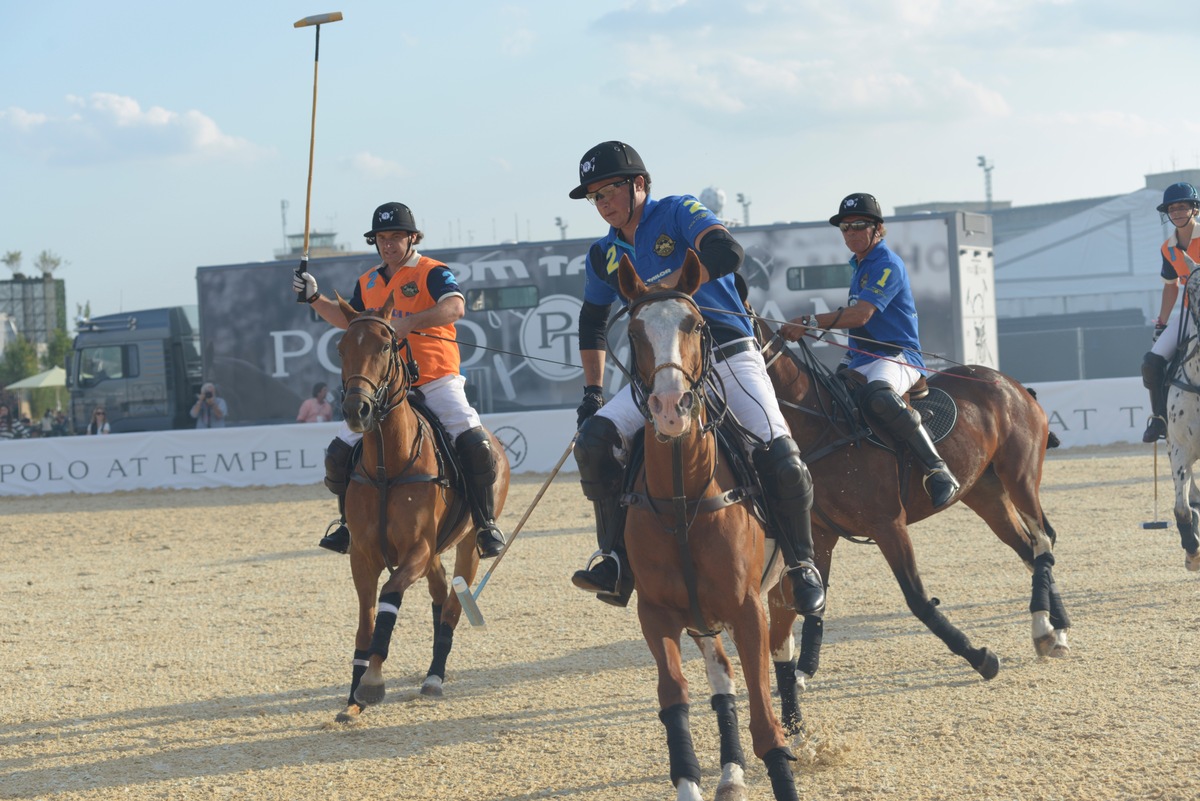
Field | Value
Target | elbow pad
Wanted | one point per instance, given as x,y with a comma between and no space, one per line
593,327
720,253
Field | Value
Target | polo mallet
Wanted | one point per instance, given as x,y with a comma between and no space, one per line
1156,523
318,20
469,600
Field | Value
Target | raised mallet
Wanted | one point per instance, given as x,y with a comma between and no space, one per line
1155,523
318,20
469,601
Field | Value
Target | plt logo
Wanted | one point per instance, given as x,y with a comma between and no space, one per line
551,332
514,444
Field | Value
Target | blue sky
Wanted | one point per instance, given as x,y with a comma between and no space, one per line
139,141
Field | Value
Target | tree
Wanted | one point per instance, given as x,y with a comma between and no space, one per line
20,361
47,262
57,349
12,260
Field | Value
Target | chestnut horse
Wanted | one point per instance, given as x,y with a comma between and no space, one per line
995,448
401,508
697,555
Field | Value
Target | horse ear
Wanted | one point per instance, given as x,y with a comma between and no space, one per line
349,311
386,311
631,283
689,279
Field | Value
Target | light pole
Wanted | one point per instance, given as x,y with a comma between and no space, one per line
562,226
987,181
745,203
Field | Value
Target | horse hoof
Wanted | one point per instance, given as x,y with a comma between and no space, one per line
432,687
733,784
1043,633
1061,648
367,694
802,680
1192,561
1045,644
989,666
349,714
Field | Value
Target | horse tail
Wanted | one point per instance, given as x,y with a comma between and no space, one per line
1052,440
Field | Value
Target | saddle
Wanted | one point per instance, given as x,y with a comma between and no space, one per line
938,410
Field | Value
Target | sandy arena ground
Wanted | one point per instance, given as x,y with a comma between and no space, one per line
196,645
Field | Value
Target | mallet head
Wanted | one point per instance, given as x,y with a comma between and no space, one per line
1155,524
319,19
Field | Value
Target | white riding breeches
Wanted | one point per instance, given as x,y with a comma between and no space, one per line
446,397
895,370
1168,341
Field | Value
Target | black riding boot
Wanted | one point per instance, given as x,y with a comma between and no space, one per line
474,448
337,478
601,472
788,486
1154,378
892,414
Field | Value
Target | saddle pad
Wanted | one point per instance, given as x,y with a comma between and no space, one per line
938,414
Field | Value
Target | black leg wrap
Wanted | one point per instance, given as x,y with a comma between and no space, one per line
443,642
1058,613
1187,531
955,640
1039,601
810,643
779,768
359,667
385,621
789,705
679,744
727,725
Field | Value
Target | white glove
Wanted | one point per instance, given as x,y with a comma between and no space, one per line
305,286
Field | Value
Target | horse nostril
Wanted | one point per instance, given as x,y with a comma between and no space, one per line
686,402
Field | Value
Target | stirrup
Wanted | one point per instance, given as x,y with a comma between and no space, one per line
946,491
1156,429
586,579
337,537
489,542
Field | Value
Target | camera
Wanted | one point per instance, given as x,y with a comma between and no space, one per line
208,394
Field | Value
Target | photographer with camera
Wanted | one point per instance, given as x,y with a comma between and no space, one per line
210,409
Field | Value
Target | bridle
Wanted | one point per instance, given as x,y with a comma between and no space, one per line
391,391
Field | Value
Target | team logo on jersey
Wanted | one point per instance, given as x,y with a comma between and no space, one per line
410,290
665,246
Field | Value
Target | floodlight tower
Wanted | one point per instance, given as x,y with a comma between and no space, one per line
562,226
745,203
987,181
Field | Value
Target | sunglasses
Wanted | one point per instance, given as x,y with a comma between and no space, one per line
602,194
857,225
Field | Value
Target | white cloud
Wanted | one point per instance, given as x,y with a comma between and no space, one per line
106,128
371,166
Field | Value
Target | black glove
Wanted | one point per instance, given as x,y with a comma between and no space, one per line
1159,327
593,399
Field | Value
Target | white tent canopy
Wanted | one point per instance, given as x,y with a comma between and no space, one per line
54,377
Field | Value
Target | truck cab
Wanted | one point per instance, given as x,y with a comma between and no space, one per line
144,367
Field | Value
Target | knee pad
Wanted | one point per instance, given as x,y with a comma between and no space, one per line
337,466
474,448
782,470
600,471
881,403
1154,369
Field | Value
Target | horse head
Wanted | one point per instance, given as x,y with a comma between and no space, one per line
669,347
374,377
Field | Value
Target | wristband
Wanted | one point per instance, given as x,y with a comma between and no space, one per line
312,299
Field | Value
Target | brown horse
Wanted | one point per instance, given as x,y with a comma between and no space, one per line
697,556
996,449
401,508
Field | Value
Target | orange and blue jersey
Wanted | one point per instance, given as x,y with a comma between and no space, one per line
416,288
1178,262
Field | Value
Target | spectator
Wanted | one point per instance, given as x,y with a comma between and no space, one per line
48,423
99,422
62,426
210,408
23,428
318,408
6,423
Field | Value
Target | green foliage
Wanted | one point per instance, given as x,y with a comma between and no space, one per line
57,349
47,262
20,361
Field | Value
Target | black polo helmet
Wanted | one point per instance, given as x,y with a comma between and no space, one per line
607,160
1181,192
860,204
391,217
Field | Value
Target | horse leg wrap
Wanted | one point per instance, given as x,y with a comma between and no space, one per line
1040,600
789,707
955,640
679,744
779,769
1058,613
727,725
1187,531
443,641
358,668
385,621
810,643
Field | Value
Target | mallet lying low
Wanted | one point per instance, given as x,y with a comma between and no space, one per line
469,601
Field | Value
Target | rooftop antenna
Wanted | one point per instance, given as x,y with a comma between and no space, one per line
283,207
562,226
987,181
